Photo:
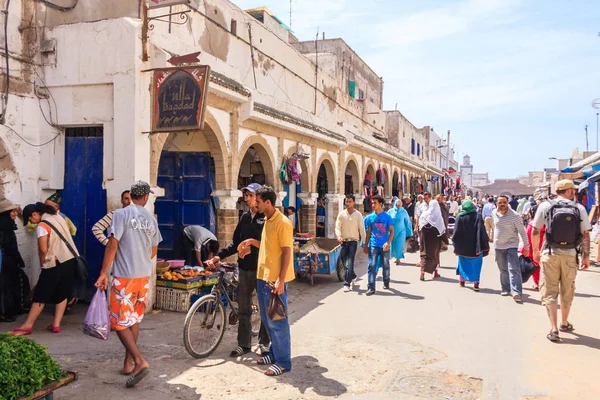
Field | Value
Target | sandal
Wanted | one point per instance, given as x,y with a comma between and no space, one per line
553,336
566,328
239,351
275,370
266,360
53,329
21,332
135,379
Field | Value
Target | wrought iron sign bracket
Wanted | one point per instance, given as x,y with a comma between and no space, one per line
183,18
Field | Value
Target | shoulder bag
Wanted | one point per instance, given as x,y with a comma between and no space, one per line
81,269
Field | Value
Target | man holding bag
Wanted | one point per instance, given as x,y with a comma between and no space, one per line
132,244
275,270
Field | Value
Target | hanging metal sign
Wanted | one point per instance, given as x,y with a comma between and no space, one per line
165,3
179,98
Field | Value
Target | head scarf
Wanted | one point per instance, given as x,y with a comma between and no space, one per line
467,208
433,216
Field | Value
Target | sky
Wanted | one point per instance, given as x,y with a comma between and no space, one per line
513,80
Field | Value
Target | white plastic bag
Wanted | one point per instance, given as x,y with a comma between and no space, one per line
594,234
97,319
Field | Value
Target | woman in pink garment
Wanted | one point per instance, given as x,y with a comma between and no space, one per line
536,274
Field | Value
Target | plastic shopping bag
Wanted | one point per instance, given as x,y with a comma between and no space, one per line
97,319
594,234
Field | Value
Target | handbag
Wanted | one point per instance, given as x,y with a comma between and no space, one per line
276,310
528,268
81,268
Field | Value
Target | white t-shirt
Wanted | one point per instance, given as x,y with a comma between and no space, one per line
454,207
540,220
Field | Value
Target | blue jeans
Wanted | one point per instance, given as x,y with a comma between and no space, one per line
347,255
510,271
376,255
279,331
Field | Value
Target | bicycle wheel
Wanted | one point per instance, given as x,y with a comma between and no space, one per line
255,319
204,326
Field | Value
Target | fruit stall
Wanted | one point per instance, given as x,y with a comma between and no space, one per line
177,284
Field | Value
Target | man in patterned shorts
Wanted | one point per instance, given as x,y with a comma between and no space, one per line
132,244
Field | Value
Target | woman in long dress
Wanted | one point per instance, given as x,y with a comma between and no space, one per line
471,244
402,229
432,231
14,284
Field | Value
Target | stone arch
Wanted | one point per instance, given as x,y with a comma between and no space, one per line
332,179
395,182
218,151
369,167
307,175
387,186
8,172
266,157
357,180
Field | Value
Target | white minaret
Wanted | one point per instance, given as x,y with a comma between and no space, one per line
466,172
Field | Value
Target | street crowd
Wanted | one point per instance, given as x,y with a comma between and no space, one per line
552,234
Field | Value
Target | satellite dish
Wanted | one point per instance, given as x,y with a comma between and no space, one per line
596,103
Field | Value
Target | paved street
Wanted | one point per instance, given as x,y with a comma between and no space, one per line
429,339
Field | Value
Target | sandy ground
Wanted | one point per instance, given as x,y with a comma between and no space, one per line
418,340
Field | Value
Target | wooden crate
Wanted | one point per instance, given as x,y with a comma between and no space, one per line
174,299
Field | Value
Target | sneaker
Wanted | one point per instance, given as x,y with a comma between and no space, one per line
347,289
476,287
504,294
517,299
353,283
370,292
461,283
386,285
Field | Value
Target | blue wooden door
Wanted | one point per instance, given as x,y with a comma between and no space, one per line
83,198
188,180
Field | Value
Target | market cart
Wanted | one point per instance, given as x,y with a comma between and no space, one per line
319,256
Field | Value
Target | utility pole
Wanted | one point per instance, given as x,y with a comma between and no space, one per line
587,144
597,131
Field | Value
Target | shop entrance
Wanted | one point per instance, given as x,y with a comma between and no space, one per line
252,170
188,179
83,198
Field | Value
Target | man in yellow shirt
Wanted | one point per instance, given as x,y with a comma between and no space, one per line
275,270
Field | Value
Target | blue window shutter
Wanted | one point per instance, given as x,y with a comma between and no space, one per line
412,148
418,149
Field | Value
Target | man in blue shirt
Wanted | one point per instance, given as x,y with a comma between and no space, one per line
380,232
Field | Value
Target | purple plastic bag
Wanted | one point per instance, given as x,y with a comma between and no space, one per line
97,319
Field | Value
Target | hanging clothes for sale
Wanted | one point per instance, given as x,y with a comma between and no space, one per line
293,173
283,172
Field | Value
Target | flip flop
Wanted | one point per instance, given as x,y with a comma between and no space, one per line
275,370
53,329
23,331
135,379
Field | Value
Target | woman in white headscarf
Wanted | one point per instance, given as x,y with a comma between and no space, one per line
432,231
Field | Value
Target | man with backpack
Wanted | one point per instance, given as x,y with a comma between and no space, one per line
567,228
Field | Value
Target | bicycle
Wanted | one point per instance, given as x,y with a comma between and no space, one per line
206,321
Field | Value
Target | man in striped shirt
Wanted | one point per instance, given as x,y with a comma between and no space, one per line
102,226
508,227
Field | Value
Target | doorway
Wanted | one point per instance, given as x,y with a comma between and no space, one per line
83,198
188,179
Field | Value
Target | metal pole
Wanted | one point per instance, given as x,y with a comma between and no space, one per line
597,131
587,144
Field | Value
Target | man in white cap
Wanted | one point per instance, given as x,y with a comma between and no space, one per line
132,244
567,227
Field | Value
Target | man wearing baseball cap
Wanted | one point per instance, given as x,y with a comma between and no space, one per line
246,241
132,244
567,227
